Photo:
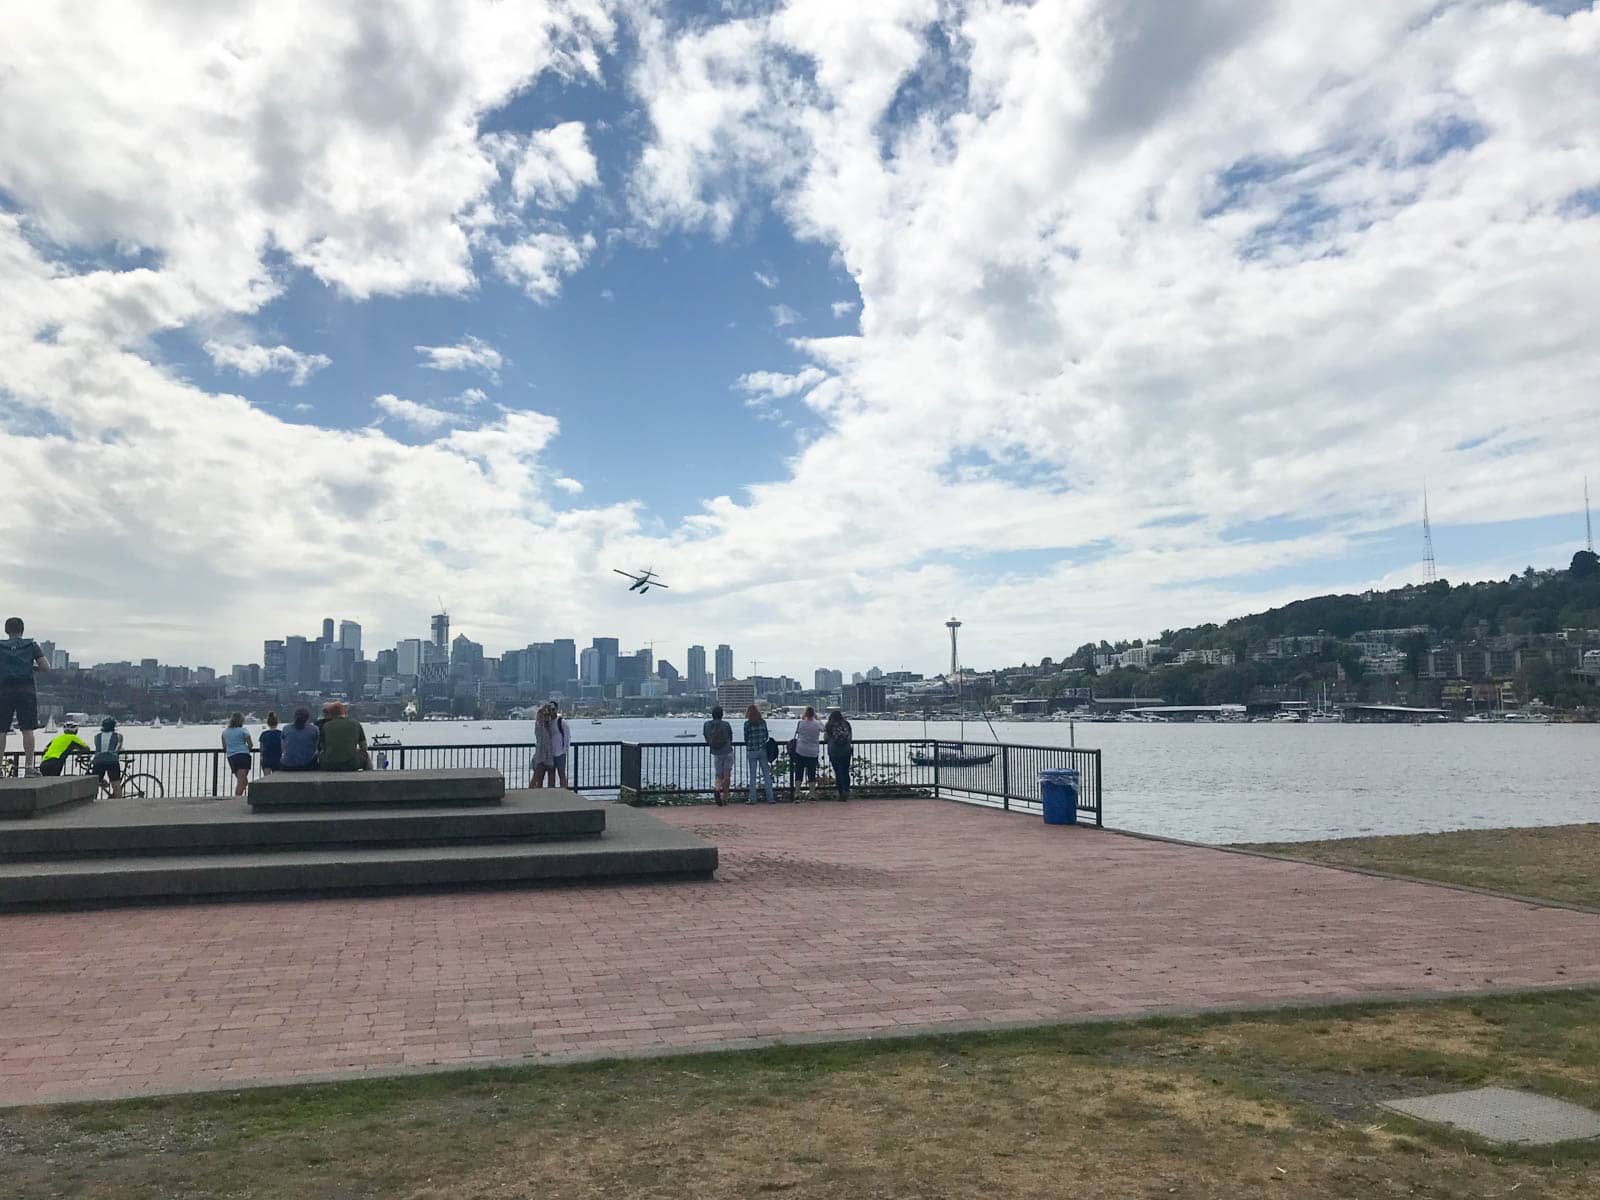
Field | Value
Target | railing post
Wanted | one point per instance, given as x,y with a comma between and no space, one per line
1005,778
1099,806
935,770
632,782
215,790
576,750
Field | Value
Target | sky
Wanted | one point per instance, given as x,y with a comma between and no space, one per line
1076,319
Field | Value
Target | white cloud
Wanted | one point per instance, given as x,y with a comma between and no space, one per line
539,262
469,354
783,315
408,412
256,360
343,140
765,280
550,167
1124,264
567,484
469,398
777,385
843,308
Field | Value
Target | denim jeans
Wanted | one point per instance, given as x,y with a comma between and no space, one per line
762,769
840,760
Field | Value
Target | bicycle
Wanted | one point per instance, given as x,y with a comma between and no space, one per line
140,785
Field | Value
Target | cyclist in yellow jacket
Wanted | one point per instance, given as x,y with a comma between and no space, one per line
64,743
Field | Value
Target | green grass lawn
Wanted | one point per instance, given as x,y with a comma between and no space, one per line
1280,1105
1560,862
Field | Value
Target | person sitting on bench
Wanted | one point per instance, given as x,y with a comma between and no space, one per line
342,744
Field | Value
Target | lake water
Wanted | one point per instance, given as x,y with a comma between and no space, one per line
1216,783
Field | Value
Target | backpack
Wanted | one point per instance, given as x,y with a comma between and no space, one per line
721,739
16,659
772,749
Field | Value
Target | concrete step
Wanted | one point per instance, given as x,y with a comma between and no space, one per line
32,796
635,846
376,789
134,828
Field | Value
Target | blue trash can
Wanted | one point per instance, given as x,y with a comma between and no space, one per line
1058,790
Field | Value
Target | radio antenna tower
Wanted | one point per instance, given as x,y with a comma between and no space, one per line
1428,563
1588,529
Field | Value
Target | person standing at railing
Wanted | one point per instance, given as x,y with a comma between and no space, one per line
64,743
805,751
20,657
837,736
107,760
755,751
236,744
551,739
719,740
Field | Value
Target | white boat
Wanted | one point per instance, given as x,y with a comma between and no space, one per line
1287,718
1325,716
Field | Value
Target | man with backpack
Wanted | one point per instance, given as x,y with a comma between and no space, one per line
20,657
719,740
837,737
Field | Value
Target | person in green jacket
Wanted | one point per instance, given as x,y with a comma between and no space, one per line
342,743
55,754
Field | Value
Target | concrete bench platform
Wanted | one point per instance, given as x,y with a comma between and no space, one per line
376,789
21,799
136,828
635,847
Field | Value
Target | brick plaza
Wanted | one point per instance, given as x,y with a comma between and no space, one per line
824,919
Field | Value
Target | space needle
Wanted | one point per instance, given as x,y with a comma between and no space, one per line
955,663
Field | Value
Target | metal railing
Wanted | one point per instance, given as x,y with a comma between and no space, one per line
682,771
1007,777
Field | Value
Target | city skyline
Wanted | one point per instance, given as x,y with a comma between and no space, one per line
1217,288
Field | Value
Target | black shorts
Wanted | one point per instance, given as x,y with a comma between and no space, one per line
18,702
239,762
805,768
107,770
51,766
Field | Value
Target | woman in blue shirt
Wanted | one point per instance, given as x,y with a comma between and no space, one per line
755,749
236,744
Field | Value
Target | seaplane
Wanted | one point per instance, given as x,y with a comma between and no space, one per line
643,581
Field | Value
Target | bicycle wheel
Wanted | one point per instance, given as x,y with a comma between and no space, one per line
143,786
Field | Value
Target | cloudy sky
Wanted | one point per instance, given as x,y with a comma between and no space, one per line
1077,318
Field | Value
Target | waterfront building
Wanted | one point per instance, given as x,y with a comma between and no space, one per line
735,695
826,680
865,697
327,631
466,659
350,636
724,662
589,667
440,627
696,668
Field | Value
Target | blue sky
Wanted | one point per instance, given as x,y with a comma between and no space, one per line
1078,322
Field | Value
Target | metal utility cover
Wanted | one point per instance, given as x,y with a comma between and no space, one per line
1504,1115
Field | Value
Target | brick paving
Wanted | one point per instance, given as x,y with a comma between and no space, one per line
824,919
